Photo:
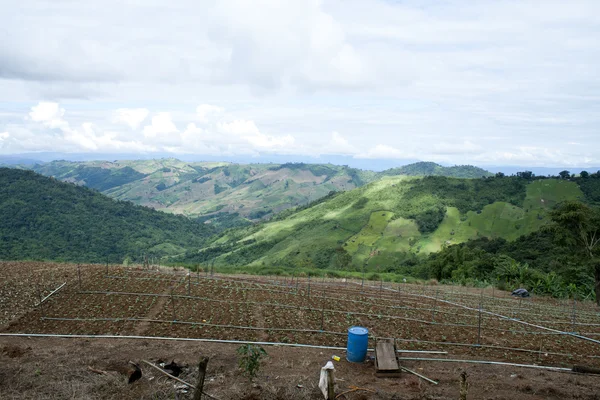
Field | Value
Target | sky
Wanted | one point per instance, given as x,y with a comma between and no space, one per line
493,82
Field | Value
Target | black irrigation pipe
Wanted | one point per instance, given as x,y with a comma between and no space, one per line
334,283
164,321
473,309
526,323
341,299
183,276
326,297
293,307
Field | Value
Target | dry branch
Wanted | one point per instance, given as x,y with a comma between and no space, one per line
176,378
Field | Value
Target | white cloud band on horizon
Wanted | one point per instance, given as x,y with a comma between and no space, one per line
454,81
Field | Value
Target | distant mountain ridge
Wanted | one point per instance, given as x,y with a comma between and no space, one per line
425,168
227,194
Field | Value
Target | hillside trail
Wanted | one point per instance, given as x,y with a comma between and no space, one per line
260,321
142,327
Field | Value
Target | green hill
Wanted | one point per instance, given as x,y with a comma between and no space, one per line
390,222
223,194
226,194
432,169
43,218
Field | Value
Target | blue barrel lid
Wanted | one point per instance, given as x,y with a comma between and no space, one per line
358,330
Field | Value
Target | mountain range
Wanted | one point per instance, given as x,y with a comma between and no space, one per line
227,194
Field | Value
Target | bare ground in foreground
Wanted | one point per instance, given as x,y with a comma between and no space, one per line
54,368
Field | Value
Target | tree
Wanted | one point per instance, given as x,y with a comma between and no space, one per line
584,174
500,175
525,175
564,174
577,227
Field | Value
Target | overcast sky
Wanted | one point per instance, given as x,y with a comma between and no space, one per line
454,81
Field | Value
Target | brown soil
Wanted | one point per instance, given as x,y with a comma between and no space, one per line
58,369
216,308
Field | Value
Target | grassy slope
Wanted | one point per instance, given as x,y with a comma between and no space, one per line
379,233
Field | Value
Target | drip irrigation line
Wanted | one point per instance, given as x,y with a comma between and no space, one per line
344,300
556,311
558,369
86,336
525,323
293,307
164,321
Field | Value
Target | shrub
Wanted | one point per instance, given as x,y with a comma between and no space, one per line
249,359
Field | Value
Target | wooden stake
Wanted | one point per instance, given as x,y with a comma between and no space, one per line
464,386
437,292
330,385
201,374
479,327
574,314
41,303
173,304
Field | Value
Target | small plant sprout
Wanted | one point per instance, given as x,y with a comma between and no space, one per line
249,359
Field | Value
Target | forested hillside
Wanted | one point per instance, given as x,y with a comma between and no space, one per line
433,169
43,218
226,194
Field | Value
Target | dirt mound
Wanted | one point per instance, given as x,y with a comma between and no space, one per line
12,351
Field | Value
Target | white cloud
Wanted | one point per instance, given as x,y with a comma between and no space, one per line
338,144
48,113
450,148
161,125
456,81
204,111
384,151
131,117
4,135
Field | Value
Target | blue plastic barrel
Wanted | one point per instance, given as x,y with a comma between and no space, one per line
358,339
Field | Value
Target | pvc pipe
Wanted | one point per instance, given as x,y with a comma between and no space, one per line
559,369
51,293
84,336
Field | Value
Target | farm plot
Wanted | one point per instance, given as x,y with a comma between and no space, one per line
468,322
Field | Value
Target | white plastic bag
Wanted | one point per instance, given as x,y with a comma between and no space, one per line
323,378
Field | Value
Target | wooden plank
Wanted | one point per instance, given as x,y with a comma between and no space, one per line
385,355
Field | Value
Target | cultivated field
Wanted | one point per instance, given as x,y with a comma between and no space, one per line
132,301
